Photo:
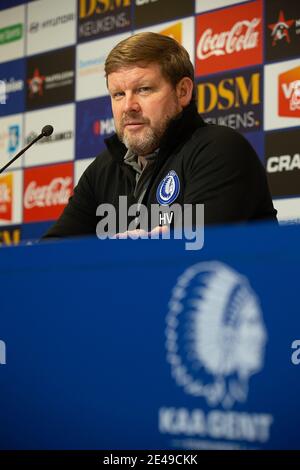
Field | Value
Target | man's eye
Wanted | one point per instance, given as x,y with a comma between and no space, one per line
118,94
144,89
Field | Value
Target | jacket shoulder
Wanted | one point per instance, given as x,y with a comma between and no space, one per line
215,145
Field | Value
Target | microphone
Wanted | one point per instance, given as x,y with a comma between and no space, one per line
46,131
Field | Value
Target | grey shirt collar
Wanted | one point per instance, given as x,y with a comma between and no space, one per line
131,159
142,175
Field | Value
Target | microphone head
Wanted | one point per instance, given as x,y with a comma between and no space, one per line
47,130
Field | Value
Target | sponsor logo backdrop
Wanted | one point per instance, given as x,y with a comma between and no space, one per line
247,68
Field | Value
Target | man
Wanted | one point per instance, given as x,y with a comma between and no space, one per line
163,153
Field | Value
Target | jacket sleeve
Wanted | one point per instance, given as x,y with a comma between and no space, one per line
227,176
79,216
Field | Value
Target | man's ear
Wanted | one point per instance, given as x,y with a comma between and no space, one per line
184,91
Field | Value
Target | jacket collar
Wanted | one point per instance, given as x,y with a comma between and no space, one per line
178,131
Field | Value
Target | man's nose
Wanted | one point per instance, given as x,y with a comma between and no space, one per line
131,103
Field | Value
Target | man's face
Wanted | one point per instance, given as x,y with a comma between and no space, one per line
143,103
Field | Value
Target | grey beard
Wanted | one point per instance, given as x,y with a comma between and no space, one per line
143,146
147,144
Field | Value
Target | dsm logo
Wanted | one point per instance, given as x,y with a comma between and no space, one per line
215,334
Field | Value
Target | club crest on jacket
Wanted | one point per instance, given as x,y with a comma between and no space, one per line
168,189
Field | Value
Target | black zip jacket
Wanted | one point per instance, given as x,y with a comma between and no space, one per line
215,165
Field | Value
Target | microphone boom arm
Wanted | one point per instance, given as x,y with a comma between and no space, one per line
46,131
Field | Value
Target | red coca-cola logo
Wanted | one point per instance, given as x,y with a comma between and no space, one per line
242,36
57,192
47,191
230,40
